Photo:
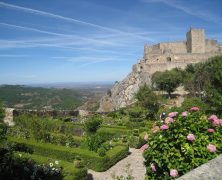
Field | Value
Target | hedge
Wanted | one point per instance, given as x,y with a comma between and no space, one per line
62,139
34,123
113,131
68,170
90,159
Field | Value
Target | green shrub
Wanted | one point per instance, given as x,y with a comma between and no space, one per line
92,125
136,132
68,171
189,102
94,141
148,100
102,151
2,111
136,141
37,126
170,148
91,159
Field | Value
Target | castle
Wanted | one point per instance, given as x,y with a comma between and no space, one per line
160,57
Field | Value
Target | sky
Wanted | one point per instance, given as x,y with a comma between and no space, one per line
92,40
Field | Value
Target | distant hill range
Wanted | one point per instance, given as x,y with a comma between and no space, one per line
57,96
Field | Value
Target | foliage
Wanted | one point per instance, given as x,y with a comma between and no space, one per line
93,124
38,126
2,111
168,80
94,141
91,159
194,101
3,130
170,148
148,99
63,169
24,168
38,98
102,151
213,89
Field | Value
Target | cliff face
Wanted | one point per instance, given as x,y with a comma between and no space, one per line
122,93
159,57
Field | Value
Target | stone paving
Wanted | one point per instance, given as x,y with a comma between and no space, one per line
133,165
209,171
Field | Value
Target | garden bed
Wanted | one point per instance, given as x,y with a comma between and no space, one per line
90,159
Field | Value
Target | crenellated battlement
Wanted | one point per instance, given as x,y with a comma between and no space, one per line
176,51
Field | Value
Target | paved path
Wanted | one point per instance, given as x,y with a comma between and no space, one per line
133,165
209,171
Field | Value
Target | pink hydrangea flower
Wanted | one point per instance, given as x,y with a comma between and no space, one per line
173,173
153,167
220,121
212,117
144,147
211,148
172,114
195,108
184,114
211,130
216,122
168,120
191,137
146,137
164,127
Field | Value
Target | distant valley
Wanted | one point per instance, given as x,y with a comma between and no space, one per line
57,96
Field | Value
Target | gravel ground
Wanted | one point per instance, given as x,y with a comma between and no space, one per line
131,165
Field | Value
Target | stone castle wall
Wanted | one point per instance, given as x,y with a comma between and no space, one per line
174,47
160,57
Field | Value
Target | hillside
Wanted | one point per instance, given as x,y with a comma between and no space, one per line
27,97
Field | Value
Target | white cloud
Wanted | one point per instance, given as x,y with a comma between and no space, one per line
68,19
200,13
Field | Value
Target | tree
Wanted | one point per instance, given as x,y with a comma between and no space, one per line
148,99
213,87
2,111
93,124
167,81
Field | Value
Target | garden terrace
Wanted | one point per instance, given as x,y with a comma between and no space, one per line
91,159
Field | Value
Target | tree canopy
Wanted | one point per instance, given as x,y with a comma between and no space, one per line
167,81
148,99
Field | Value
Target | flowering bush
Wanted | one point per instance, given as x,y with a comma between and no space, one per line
188,141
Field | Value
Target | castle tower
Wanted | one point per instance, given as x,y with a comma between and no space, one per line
196,41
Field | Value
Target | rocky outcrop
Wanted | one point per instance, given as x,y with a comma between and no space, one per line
8,119
122,93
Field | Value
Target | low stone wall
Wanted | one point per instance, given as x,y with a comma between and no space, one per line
211,170
43,113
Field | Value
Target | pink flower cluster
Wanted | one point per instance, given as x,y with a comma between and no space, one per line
164,127
211,148
169,120
144,147
195,108
215,120
211,130
173,173
146,137
153,167
190,137
172,114
184,114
